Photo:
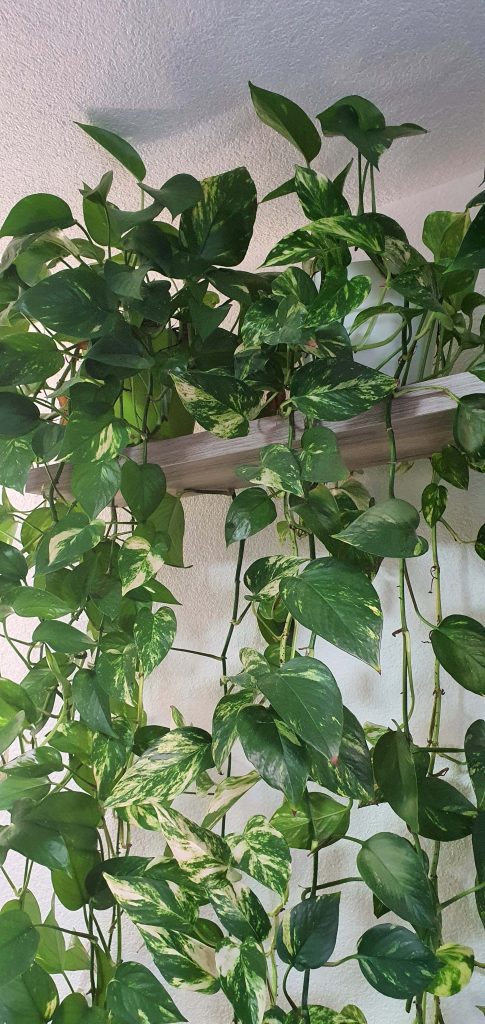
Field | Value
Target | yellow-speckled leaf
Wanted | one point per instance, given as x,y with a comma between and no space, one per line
242,968
457,963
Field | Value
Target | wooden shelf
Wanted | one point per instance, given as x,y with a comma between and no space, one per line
422,421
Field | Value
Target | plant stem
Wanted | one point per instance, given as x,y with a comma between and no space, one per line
460,895
227,642
285,989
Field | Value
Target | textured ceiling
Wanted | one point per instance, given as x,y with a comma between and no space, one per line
172,76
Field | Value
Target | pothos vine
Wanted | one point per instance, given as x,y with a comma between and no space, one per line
115,338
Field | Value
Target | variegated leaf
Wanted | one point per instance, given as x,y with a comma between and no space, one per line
202,854
184,962
115,668
135,996
457,967
226,794
240,912
154,635
279,470
339,603
264,576
351,1015
109,756
262,852
305,695
165,769
138,561
224,724
147,896
66,541
332,391
242,968
316,1015
337,298
220,403
89,439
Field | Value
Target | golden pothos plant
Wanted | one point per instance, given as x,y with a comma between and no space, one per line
127,326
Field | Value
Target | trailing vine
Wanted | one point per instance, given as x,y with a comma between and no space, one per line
113,333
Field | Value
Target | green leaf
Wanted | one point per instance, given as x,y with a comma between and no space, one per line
308,932
320,458
31,602
337,392
475,759
18,415
91,702
178,193
219,227
143,488
75,302
443,233
117,147
18,944
459,645
352,775
287,118
16,458
387,530
75,1010
27,358
278,756
396,776
13,565
305,695
184,962
134,994
60,636
480,542
319,197
249,512
456,968
242,969
433,502
36,214
32,997
138,561
338,603
48,831
262,852
444,813
395,962
165,769
363,124
279,470
396,875
169,519
154,635
94,484
225,724
120,351
317,821
469,425
219,402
